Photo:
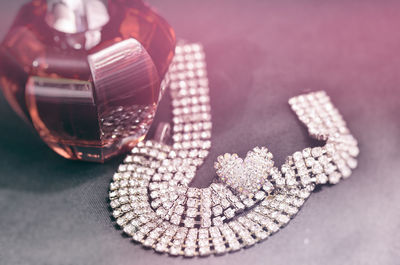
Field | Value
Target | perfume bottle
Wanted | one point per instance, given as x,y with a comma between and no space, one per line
87,74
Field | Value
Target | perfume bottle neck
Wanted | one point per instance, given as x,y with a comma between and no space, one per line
76,16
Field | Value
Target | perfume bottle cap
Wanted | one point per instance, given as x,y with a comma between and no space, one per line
76,16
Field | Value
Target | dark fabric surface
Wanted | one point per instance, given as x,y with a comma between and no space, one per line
260,53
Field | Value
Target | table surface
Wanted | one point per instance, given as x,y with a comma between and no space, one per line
260,53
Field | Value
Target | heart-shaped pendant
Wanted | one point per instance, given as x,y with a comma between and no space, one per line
248,175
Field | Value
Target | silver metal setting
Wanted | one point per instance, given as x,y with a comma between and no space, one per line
252,199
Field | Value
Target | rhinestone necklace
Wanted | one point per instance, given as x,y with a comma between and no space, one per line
251,198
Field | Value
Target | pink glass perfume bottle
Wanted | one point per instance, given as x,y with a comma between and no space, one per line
86,73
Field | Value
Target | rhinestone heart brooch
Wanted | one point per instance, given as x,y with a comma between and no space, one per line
246,176
251,198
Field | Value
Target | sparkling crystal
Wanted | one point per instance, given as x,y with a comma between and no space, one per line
175,250
191,202
316,151
204,251
334,177
190,251
160,247
179,209
175,219
205,221
191,212
321,178
189,222
138,236
259,195
268,187
229,213
217,221
217,210
317,168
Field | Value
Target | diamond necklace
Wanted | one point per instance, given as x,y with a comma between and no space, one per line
251,198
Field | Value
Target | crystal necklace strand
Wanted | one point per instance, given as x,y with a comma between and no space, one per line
252,199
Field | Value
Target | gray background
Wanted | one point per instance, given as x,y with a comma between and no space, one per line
260,53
